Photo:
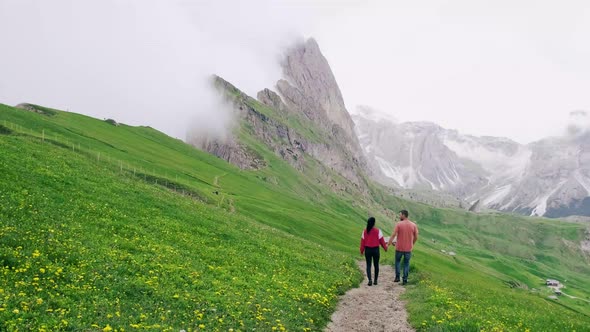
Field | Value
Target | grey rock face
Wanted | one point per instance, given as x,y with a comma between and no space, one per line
281,139
548,178
557,180
311,87
272,100
475,207
309,90
309,96
414,156
232,152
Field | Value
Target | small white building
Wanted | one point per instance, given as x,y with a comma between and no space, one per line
552,282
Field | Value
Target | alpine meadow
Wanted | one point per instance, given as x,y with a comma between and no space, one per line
203,166
109,227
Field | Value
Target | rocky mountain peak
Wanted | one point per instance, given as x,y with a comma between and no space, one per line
305,118
311,87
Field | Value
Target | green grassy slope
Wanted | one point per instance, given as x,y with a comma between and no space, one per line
152,232
498,274
85,245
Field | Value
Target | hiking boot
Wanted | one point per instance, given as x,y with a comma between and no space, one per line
375,283
404,282
370,283
396,280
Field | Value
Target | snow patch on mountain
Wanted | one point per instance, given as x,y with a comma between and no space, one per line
398,174
584,181
549,177
540,203
497,195
501,158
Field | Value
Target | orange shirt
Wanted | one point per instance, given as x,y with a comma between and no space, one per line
406,231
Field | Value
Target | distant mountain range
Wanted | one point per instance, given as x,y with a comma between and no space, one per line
550,177
306,117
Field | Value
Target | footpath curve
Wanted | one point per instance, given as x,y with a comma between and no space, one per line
372,308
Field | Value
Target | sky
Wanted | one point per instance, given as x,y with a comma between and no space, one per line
516,69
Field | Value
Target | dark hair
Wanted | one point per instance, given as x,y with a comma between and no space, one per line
370,224
404,212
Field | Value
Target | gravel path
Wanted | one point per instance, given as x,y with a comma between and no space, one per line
374,308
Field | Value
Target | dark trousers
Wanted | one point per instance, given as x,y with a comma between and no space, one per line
398,258
372,254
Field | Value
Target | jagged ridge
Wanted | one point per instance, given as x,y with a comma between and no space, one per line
549,178
307,118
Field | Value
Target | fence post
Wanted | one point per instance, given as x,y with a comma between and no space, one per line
98,158
43,135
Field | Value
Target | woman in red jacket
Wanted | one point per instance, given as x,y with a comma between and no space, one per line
370,241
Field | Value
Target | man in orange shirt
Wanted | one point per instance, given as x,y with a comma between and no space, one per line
407,234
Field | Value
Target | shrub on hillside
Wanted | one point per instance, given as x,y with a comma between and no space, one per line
112,122
5,130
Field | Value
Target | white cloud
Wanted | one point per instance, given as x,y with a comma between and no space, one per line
495,68
144,62
578,124
484,67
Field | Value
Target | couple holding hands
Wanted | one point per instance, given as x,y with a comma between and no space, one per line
405,234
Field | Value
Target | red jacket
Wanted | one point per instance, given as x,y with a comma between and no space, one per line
373,239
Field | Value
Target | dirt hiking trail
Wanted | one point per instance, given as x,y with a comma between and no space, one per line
372,308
